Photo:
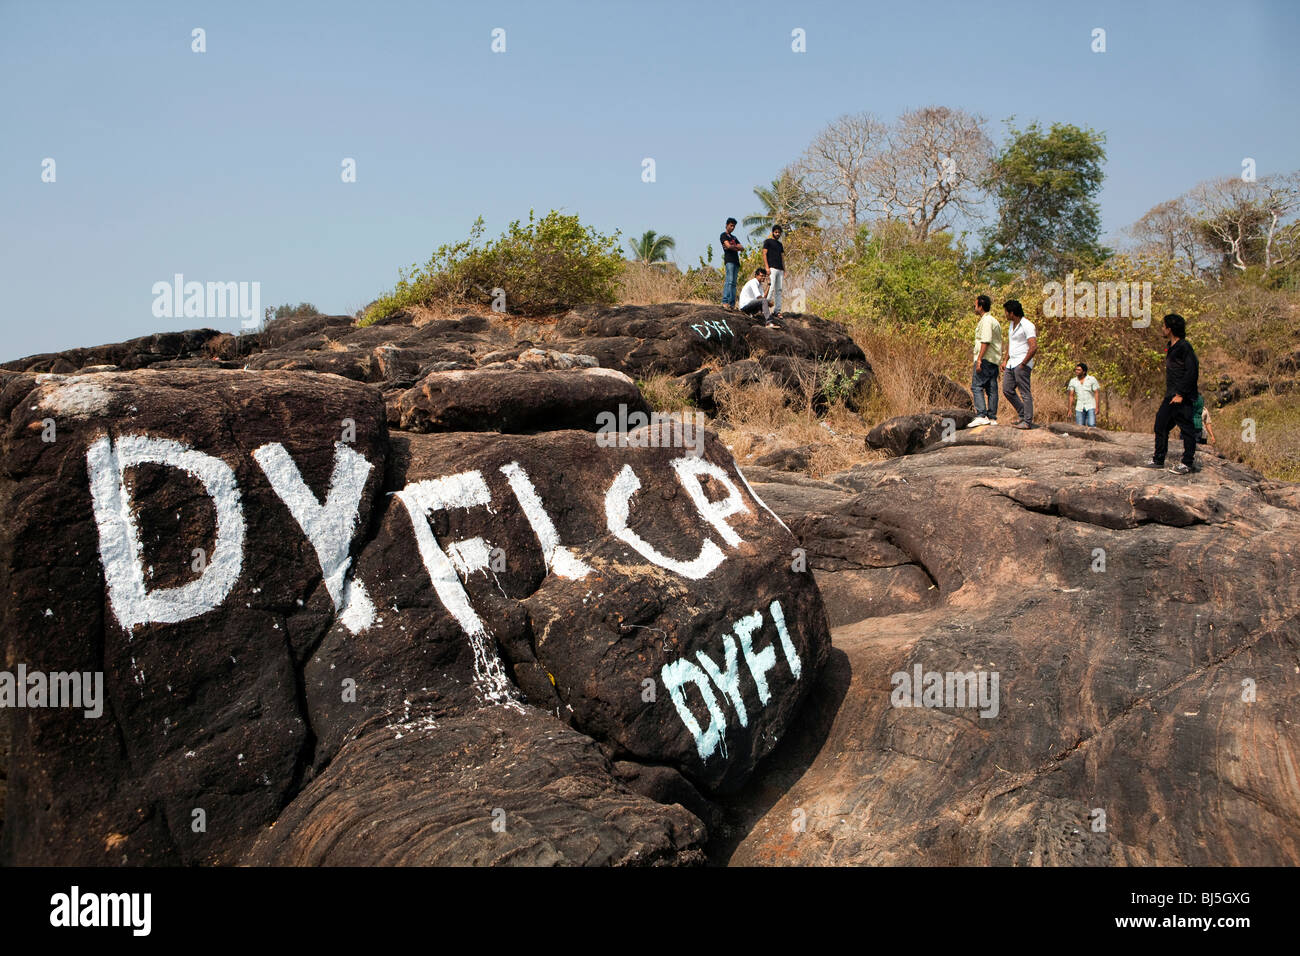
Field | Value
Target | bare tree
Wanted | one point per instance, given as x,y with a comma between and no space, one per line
1280,200
1170,231
1230,216
933,163
836,165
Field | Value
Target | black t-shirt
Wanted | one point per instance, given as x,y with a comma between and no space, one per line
1182,371
775,253
729,255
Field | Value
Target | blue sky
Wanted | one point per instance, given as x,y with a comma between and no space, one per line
225,165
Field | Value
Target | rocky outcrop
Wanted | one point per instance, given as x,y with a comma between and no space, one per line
1143,710
499,630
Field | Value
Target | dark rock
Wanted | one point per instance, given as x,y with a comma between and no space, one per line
516,401
496,787
907,434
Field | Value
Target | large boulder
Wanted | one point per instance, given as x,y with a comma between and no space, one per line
288,604
1096,677
490,399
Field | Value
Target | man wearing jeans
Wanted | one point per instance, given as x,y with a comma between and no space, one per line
1022,343
774,262
988,354
730,263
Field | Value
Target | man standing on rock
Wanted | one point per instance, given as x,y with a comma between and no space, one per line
1182,385
774,262
1022,343
988,356
730,263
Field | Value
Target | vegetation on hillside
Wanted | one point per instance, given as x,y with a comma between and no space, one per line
547,265
893,228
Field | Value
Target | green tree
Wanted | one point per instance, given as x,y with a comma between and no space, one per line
786,203
894,276
1046,185
652,247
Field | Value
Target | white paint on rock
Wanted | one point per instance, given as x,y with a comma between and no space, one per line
120,548
690,470
681,671
707,740
329,527
617,505
76,397
558,558
464,490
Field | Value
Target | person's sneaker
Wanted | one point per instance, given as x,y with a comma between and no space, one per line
979,420
1181,469
1022,425
1152,463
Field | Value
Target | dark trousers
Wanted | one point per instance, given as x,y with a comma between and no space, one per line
984,389
1017,381
1169,416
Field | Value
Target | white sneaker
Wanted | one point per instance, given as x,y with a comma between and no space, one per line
977,422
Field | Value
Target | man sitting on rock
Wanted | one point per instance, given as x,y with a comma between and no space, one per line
1182,375
753,298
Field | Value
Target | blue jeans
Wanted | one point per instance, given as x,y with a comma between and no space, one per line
731,269
1086,417
985,383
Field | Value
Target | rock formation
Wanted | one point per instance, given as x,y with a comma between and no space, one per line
448,592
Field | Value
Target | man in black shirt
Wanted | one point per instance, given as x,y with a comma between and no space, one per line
774,260
1182,374
730,263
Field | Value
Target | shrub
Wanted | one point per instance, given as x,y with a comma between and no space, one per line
288,311
548,265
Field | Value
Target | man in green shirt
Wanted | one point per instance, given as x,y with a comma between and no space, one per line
988,356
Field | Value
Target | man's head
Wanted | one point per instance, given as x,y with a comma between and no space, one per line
1014,310
760,273
776,232
1175,326
1081,369
731,224
982,304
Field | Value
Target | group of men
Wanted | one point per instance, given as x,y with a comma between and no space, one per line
762,293
1182,403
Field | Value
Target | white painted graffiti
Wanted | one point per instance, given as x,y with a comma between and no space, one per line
677,674
706,330
330,527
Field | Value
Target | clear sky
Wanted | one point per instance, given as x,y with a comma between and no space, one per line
225,165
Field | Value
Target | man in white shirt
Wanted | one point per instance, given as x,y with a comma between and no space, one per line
1022,343
1085,389
752,297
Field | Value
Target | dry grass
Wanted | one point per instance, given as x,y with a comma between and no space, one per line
642,284
760,417
663,393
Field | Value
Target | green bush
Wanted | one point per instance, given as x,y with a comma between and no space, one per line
547,265
893,275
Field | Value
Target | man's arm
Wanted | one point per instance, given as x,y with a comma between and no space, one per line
980,358
1033,347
